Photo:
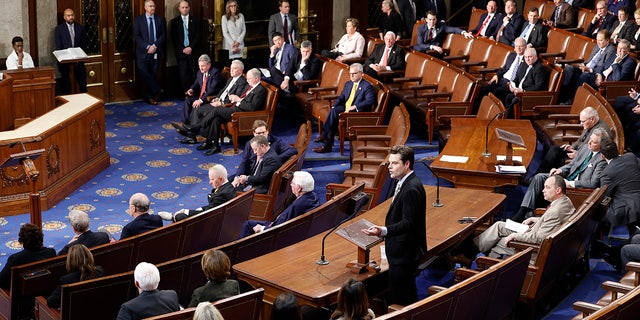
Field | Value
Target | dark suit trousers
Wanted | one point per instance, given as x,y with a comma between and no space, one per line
402,284
555,158
187,109
79,72
187,67
148,71
631,251
247,227
214,120
196,119
623,106
331,125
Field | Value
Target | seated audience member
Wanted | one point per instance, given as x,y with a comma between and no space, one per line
18,59
622,178
142,220
222,192
353,302
495,239
623,28
79,221
558,156
80,267
306,200
282,149
584,171
602,20
207,311
489,23
614,5
281,57
622,68
31,239
506,74
351,45
532,76
285,307
631,251
511,23
385,56
390,21
259,177
533,31
235,85
635,36
357,96
564,16
305,66
600,59
251,99
217,267
431,34
628,110
208,81
150,301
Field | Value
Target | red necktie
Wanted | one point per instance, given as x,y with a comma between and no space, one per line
595,31
204,85
430,34
484,24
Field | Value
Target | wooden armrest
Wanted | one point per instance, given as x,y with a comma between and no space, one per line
306,82
569,61
519,246
464,273
435,289
539,212
586,308
394,307
227,105
433,95
569,126
633,266
374,137
367,161
367,174
406,79
564,116
551,109
387,73
616,287
349,61
322,89
460,57
534,94
474,63
380,150
484,263
488,70
577,30
570,137
547,55
330,97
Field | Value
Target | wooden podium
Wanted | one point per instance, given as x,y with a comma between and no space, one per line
353,233
26,160
510,138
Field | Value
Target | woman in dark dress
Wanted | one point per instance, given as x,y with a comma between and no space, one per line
217,267
80,267
31,238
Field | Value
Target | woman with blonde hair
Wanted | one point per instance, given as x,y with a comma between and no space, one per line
353,303
233,30
80,267
217,267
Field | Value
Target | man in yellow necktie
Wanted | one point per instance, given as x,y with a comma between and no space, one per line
356,96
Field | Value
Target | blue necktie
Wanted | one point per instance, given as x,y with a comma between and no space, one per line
152,38
186,32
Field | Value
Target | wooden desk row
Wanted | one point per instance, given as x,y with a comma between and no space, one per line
26,94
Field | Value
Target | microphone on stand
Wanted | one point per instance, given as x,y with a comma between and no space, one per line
322,260
436,203
486,152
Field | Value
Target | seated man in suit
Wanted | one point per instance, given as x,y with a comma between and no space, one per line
150,301
281,60
251,99
305,66
387,56
489,22
601,58
622,68
306,200
222,192
282,149
602,20
259,177
564,16
357,96
495,239
532,76
431,35
624,28
236,84
511,23
142,220
207,83
582,172
533,31
628,110
79,221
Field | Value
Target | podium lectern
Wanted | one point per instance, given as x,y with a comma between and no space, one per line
353,233
26,160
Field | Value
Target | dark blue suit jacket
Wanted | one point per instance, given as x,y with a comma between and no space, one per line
282,149
623,71
89,239
238,88
141,224
305,203
289,53
20,258
262,179
214,82
441,33
492,28
512,30
141,34
607,22
149,304
364,98
63,38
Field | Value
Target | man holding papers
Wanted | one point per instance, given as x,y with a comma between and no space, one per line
495,239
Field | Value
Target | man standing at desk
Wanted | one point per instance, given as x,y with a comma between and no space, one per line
405,227
71,35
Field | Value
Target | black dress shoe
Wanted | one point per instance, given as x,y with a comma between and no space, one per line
205,145
178,127
323,149
319,139
151,101
213,151
189,140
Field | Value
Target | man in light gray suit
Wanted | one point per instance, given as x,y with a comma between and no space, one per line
584,171
290,31
497,237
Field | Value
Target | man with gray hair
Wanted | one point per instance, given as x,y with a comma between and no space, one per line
142,220
79,221
306,200
150,301
304,66
385,56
